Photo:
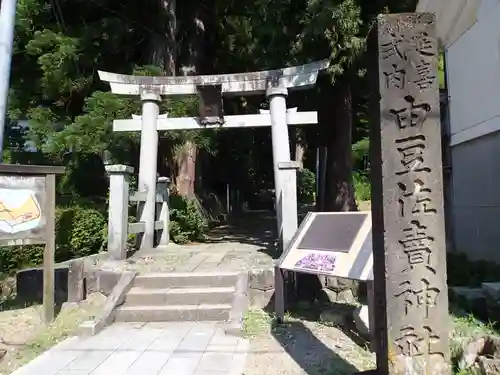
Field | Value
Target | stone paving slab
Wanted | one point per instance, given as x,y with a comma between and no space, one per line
217,257
196,348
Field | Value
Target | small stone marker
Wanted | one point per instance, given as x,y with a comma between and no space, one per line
407,203
76,277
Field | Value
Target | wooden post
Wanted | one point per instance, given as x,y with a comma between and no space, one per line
48,254
370,294
118,210
279,295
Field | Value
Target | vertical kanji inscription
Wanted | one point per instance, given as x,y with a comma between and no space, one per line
407,201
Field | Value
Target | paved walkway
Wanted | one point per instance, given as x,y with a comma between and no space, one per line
247,243
146,349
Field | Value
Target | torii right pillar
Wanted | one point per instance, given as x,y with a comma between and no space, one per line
285,178
411,307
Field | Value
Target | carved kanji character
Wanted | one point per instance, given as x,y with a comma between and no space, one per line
415,199
412,114
412,343
424,44
424,75
417,246
424,296
411,152
396,77
393,47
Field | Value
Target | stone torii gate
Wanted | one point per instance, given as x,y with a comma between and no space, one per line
273,83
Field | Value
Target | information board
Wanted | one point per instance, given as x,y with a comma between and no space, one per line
22,209
332,244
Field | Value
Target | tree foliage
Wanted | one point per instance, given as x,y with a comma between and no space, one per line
60,44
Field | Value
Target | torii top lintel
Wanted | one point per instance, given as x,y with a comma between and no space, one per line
302,76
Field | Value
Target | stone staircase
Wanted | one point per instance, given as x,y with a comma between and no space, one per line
179,297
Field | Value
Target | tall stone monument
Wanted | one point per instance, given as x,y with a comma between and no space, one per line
407,199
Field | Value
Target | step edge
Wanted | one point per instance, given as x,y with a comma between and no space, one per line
139,291
184,274
173,307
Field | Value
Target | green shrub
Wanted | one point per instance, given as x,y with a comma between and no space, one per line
187,223
306,186
83,232
362,187
80,231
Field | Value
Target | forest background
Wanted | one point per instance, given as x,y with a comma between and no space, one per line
60,113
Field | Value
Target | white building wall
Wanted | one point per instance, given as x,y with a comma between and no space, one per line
473,67
473,77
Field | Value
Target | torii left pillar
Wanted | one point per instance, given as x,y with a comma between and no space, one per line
148,163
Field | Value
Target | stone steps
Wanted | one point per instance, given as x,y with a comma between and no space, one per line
179,296
173,313
185,280
163,297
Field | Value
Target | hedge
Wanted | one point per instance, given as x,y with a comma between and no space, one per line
80,231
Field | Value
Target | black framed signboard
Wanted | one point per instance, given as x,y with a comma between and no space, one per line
27,216
332,244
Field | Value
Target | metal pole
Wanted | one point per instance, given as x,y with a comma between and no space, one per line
7,22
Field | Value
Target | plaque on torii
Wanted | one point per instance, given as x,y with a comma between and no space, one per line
211,105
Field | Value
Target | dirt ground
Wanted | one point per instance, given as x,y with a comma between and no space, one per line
303,347
23,335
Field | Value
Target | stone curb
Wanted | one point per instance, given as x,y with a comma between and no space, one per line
239,305
116,298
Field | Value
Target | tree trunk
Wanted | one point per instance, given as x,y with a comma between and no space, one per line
196,63
335,121
335,118
163,41
300,151
186,166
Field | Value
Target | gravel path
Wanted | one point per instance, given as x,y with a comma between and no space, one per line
304,348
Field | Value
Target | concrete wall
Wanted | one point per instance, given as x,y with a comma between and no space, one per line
473,68
476,197
473,72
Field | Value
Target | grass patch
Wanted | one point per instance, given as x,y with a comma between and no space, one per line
465,329
45,337
257,322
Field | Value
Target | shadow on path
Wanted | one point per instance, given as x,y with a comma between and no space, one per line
314,357
257,229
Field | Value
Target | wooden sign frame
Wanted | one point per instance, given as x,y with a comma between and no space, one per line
352,259
27,216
